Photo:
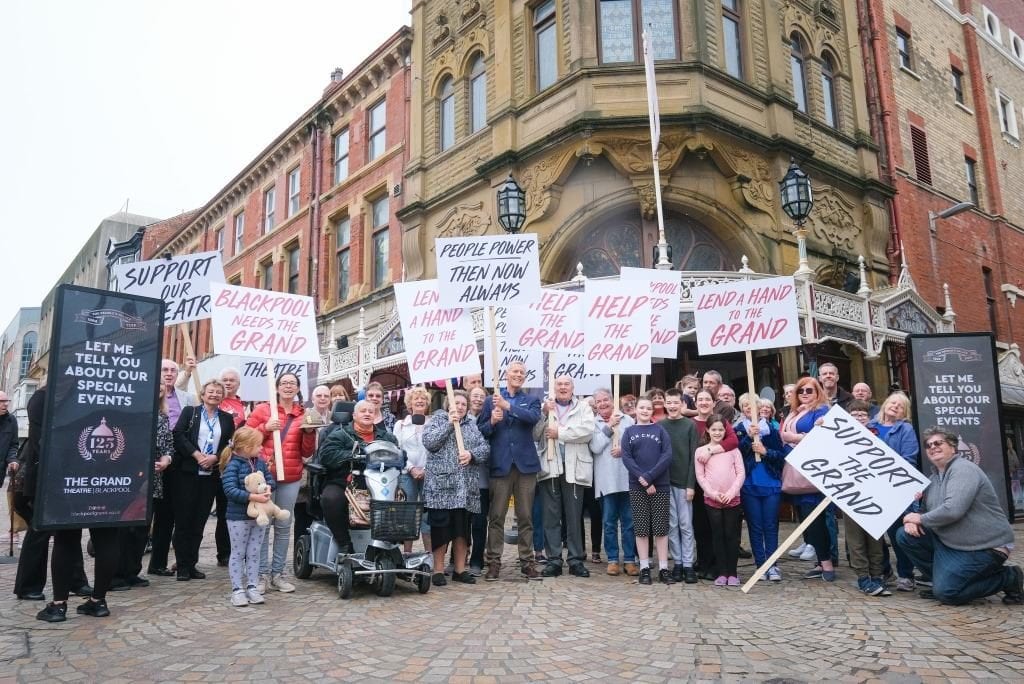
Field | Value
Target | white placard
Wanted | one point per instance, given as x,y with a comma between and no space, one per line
616,327
439,342
489,269
746,315
554,323
263,324
665,286
183,282
506,354
583,383
871,483
253,373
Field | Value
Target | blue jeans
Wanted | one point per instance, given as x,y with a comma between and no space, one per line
833,532
538,524
284,496
413,489
616,513
958,577
762,513
904,565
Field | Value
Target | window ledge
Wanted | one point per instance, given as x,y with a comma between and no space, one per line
1012,292
1011,139
910,72
964,107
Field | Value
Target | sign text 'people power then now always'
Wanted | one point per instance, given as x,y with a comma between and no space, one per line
263,323
746,315
182,282
496,269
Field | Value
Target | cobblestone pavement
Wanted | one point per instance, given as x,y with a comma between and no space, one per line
603,628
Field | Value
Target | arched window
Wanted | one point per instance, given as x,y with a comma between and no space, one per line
447,127
828,90
477,94
797,61
28,350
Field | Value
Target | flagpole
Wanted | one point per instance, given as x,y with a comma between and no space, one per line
655,123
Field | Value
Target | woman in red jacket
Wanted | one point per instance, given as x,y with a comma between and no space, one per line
297,444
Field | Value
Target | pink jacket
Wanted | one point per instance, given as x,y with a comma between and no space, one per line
719,473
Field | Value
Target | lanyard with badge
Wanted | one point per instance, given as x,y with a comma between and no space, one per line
211,425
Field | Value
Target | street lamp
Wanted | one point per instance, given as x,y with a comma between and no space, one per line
933,231
795,188
511,205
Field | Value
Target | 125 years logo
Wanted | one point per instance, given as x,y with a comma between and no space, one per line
101,442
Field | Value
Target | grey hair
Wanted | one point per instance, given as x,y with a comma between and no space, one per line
229,370
951,438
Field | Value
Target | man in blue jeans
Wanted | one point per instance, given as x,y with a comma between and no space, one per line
961,538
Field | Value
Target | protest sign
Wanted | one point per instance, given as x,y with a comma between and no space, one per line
860,473
616,327
489,269
182,282
955,384
664,290
99,424
574,365
438,342
253,374
507,354
746,315
263,324
553,323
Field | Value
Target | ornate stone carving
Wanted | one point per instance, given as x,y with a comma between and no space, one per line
835,305
443,32
832,219
464,220
840,332
753,179
541,183
907,317
633,155
648,200
1011,371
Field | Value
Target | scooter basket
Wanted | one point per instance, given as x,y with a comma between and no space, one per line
395,521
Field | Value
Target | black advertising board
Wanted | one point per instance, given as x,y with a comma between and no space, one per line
955,384
99,425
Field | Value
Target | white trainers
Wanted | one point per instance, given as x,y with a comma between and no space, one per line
277,581
253,596
797,551
261,584
809,554
238,598
774,575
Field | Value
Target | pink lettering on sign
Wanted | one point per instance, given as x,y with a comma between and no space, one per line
747,333
622,306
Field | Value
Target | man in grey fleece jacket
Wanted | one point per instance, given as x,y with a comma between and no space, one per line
962,537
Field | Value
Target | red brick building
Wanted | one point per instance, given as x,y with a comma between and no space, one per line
314,212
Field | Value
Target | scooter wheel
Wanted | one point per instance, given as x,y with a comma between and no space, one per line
345,581
385,581
302,567
423,583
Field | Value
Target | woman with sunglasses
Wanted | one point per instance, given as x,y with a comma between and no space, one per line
961,537
808,405
298,442
891,426
382,413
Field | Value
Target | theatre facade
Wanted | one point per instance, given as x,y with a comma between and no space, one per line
553,94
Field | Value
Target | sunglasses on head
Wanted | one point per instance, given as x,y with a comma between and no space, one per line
806,390
934,444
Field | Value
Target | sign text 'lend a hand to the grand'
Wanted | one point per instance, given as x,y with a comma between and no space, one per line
746,315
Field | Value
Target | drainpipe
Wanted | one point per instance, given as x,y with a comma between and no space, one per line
884,111
314,213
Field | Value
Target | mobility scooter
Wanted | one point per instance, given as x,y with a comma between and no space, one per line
377,559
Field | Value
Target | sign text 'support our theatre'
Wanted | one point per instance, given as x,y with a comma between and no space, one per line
617,327
746,315
553,323
664,290
488,270
871,483
439,342
101,403
263,324
533,360
182,282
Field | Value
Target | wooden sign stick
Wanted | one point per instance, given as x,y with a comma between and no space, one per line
552,418
615,401
643,386
272,390
786,544
458,428
755,410
190,351
492,332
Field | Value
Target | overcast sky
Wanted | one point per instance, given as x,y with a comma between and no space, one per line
158,104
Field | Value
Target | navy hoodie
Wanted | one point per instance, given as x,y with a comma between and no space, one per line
647,453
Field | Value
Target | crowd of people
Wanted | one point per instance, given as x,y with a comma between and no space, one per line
670,476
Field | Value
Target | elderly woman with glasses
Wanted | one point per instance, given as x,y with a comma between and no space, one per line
807,407
961,537
382,413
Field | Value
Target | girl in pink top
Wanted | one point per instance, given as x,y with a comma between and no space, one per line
721,474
